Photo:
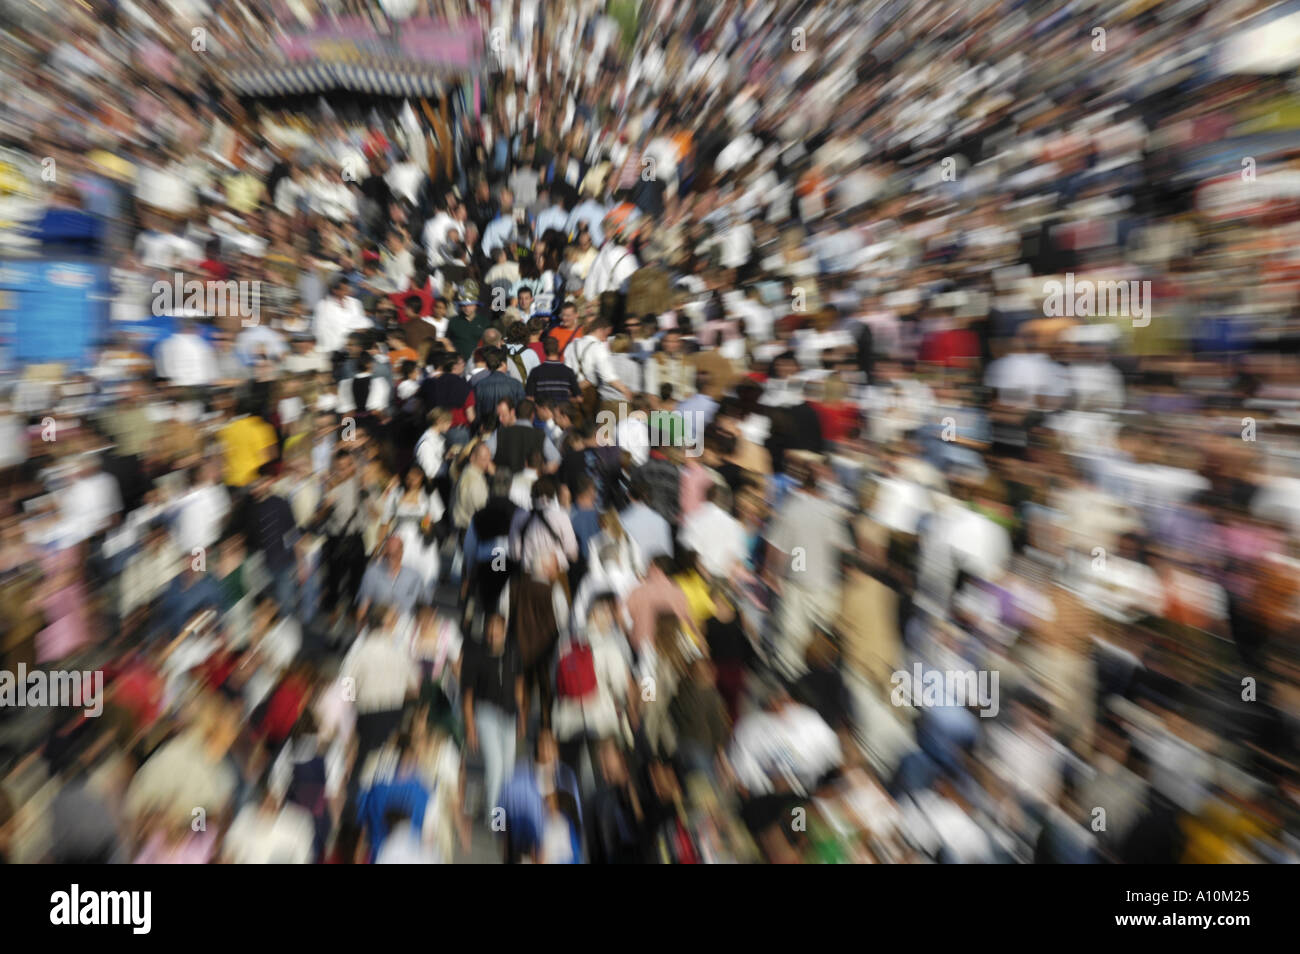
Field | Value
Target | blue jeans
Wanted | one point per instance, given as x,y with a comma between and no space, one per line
496,741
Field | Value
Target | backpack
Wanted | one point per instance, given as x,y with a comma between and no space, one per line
518,359
575,673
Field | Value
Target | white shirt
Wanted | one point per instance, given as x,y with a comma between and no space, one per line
429,452
254,838
634,439
521,488
376,400
187,360
199,517
435,234
88,503
717,538
381,673
610,271
335,319
795,744
405,178
589,359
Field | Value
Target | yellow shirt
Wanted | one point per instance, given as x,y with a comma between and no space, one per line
247,442
697,597
243,192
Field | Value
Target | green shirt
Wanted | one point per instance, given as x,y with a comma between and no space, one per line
464,334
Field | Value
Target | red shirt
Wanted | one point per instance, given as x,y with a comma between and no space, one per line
949,347
837,419
426,301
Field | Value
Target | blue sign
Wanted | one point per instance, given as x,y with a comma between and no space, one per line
52,310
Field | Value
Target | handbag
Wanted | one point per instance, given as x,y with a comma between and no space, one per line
575,673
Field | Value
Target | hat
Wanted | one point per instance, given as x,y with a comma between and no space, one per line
620,222
468,293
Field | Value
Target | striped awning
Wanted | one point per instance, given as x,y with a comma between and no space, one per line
402,80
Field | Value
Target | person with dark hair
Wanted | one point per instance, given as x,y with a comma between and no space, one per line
275,535
448,389
494,385
651,532
492,694
552,379
515,438
466,327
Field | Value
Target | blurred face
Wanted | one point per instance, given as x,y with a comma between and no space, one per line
569,316
547,750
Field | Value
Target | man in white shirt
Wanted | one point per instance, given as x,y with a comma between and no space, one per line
90,503
186,359
378,675
202,511
404,178
717,537
610,271
590,360
337,316
378,392
431,449
438,229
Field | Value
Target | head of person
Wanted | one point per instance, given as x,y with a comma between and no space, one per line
505,412
412,305
494,632
584,492
568,315
345,465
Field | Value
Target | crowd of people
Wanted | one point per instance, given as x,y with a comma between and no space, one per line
661,447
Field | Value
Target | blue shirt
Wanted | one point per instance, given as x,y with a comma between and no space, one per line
407,795
650,531
553,218
402,592
586,524
593,213
499,231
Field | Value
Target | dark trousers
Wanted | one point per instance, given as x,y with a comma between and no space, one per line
373,730
345,562
571,753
